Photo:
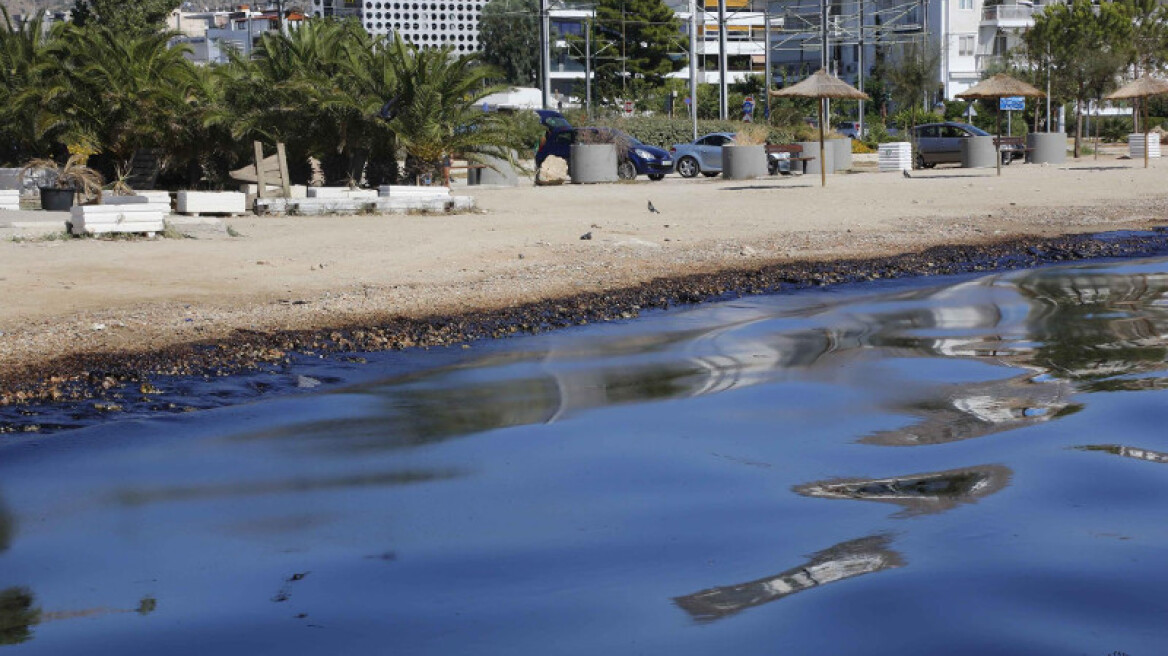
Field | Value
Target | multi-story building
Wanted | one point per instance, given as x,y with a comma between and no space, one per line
969,36
745,43
424,23
212,36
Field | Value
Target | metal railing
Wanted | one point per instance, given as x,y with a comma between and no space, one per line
1008,12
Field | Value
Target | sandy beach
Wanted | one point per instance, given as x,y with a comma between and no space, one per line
68,297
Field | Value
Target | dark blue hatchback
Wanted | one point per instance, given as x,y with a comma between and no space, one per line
638,159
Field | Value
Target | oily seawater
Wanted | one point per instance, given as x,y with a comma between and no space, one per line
962,466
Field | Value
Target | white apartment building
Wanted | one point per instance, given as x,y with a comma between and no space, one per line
969,36
424,23
745,43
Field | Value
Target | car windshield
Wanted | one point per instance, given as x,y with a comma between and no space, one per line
555,122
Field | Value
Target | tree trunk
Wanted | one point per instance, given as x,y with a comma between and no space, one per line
1078,126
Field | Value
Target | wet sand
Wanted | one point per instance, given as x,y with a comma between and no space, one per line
85,308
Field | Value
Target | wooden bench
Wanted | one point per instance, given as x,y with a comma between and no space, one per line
794,150
1018,144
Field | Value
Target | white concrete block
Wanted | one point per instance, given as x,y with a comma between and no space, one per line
9,199
130,217
212,202
294,191
413,191
341,192
10,179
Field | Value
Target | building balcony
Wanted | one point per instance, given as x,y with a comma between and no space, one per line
1010,16
986,62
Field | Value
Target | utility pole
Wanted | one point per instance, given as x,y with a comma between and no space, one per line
588,67
766,88
723,91
823,34
860,69
545,53
693,65
280,14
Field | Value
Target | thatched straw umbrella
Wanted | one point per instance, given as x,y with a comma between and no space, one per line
822,85
1141,88
1000,86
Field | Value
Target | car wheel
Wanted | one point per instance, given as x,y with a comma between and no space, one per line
687,167
656,176
710,174
626,170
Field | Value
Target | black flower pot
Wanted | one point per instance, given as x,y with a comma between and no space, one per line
57,200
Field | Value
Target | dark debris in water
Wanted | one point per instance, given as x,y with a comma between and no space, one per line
114,382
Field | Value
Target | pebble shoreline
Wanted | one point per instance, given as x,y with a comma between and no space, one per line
104,377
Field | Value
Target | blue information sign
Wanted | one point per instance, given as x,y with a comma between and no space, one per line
1012,103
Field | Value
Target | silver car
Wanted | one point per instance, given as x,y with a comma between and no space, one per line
703,155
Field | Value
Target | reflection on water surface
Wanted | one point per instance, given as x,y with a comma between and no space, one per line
837,563
557,493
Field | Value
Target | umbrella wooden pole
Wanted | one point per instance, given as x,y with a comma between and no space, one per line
822,161
998,145
1146,131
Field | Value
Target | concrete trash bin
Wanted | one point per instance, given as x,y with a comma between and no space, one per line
1046,147
978,153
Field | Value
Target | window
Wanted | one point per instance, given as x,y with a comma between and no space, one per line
965,45
965,4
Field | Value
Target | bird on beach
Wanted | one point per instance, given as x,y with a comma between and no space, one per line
906,173
653,209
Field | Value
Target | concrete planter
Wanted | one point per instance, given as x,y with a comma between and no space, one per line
495,171
743,162
592,163
1046,147
978,153
842,153
211,202
811,149
9,199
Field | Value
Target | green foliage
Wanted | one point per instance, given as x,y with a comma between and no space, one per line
914,76
907,118
1083,46
123,16
509,33
437,112
24,55
1115,129
634,41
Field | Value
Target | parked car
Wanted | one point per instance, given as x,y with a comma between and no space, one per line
551,119
703,155
638,158
849,129
939,143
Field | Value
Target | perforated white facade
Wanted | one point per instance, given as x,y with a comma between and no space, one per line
425,23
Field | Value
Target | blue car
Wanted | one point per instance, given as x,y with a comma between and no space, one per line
638,159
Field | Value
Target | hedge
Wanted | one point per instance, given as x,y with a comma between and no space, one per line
664,132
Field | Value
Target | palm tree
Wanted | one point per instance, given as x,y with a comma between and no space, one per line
436,109
23,55
120,91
